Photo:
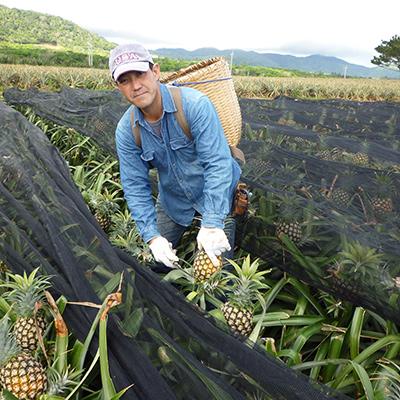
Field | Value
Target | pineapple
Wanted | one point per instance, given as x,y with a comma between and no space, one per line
382,206
20,373
330,154
357,269
238,316
237,310
340,197
203,268
291,229
290,211
257,167
27,293
360,159
103,205
381,202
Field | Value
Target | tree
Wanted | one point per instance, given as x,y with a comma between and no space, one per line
389,53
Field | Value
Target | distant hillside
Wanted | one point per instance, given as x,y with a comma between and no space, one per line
314,63
29,27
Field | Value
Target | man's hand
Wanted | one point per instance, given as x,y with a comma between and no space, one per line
214,242
162,251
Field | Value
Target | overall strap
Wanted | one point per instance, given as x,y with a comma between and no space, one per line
179,115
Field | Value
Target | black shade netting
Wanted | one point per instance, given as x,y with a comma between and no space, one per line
44,222
325,183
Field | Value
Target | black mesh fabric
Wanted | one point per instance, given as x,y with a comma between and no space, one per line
44,222
330,166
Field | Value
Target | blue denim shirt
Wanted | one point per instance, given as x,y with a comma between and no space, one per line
194,175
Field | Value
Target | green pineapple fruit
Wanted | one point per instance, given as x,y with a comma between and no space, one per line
26,293
203,268
20,373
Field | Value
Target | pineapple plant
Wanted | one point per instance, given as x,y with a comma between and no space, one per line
104,206
381,202
289,215
246,284
27,295
356,269
203,268
20,373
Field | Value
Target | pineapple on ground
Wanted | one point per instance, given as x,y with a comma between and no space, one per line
237,310
20,373
203,268
27,293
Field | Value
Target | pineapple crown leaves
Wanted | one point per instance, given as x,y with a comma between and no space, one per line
26,290
60,383
356,256
8,344
103,203
246,281
290,207
383,183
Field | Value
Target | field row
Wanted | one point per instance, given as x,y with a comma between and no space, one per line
54,78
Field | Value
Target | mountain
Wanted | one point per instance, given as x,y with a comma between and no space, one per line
314,63
29,27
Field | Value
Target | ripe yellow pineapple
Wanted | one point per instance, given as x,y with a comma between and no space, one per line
26,293
203,268
20,373
238,317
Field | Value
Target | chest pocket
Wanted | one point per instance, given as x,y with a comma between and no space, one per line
184,149
148,157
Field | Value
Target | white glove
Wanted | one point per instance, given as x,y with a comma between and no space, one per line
162,251
214,242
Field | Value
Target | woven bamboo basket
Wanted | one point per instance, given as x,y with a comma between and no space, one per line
213,78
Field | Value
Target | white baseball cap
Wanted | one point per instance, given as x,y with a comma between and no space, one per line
129,57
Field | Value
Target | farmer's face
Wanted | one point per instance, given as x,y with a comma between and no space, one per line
142,89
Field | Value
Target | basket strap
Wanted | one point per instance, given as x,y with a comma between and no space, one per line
135,130
179,115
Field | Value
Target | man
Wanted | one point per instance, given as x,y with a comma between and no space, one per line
196,175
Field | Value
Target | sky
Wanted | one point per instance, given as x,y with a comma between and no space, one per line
347,29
